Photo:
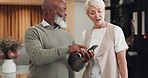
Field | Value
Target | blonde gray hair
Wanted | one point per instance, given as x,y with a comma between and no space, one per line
95,3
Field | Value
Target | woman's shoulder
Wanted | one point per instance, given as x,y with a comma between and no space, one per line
115,27
84,31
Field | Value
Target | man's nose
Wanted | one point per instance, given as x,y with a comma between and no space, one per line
65,14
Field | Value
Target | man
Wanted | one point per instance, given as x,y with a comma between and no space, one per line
48,45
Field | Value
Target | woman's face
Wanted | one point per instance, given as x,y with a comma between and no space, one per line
97,15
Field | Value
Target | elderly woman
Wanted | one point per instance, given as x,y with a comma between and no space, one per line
109,59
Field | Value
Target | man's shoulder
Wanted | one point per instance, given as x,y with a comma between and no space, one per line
35,26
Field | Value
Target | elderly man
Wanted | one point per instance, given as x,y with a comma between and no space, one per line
48,45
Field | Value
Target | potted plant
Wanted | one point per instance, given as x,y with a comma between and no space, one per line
8,52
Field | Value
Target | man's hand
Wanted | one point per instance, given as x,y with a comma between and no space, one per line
81,51
76,48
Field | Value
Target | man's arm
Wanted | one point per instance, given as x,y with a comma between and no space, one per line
78,61
38,55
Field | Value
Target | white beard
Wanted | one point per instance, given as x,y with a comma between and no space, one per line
60,21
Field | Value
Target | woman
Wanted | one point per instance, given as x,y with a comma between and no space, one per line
109,60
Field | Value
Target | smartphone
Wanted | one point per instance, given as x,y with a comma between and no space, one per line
93,47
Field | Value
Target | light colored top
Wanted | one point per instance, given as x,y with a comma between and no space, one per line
96,39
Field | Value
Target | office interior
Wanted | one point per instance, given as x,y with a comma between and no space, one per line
18,15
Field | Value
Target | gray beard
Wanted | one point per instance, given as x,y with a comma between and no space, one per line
60,21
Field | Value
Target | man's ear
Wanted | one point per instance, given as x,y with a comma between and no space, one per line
50,11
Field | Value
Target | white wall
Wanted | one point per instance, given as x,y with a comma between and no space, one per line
82,22
81,19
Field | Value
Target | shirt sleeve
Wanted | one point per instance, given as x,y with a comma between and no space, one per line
120,43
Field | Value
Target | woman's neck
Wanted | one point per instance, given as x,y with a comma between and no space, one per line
103,25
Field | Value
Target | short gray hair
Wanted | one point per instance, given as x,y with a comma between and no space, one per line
95,3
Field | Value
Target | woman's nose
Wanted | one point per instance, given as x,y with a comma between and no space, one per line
97,15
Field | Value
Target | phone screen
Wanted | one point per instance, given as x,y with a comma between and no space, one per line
93,47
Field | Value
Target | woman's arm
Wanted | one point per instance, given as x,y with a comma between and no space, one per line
122,63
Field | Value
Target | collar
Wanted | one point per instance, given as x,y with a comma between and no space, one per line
46,24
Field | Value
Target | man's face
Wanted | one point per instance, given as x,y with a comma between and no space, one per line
60,21
60,15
